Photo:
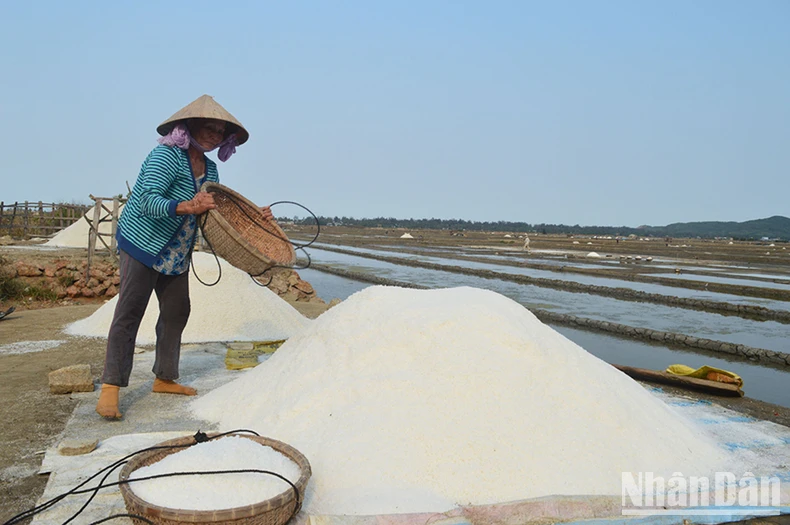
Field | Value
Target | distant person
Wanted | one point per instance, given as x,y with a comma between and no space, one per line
526,243
156,235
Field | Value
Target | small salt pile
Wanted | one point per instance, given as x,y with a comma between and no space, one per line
236,309
216,491
422,400
76,235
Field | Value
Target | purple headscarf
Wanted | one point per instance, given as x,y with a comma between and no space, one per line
180,137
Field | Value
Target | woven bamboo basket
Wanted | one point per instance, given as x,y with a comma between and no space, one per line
274,511
237,232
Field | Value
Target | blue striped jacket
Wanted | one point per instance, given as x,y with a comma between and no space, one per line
148,221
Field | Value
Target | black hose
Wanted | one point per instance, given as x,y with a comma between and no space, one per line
199,437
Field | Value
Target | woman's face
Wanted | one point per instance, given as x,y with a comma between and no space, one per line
207,132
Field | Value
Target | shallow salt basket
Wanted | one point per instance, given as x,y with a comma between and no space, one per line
277,510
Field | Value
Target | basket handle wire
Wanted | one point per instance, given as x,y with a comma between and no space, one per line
301,247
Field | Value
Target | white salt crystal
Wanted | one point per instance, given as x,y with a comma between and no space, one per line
216,491
76,235
422,400
236,309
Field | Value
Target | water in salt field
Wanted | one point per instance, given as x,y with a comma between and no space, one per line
769,335
597,281
760,382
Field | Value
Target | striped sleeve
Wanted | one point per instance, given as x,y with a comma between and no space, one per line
157,175
211,170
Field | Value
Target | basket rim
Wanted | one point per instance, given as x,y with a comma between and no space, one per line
233,513
230,230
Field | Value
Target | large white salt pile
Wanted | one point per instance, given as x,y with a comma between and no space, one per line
420,401
407,236
76,235
236,309
216,491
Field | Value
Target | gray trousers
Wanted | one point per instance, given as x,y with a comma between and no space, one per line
137,283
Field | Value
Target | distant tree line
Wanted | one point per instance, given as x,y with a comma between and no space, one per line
774,228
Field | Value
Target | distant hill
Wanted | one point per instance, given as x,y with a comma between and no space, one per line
776,227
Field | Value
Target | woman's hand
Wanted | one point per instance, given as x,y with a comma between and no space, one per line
267,213
202,202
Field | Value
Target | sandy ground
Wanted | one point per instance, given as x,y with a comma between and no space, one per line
32,417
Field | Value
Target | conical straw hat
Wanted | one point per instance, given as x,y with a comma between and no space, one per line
204,107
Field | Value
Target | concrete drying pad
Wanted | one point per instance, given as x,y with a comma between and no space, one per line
152,418
149,418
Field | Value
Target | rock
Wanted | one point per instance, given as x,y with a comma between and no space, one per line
77,447
49,271
279,284
72,291
74,378
116,280
305,287
87,292
290,295
112,291
97,274
93,282
61,264
27,270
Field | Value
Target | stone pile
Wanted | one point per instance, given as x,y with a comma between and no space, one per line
287,284
67,278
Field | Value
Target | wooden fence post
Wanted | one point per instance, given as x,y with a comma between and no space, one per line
92,235
13,217
25,220
2,212
116,203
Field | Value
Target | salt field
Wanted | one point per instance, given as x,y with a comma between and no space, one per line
770,335
601,281
396,263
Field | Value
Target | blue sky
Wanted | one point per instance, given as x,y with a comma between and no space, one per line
575,112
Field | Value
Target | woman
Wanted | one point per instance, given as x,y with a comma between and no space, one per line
156,234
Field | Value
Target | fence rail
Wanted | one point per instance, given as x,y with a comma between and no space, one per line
38,219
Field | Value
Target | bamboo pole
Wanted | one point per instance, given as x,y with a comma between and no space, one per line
690,383
13,218
92,235
25,219
116,203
